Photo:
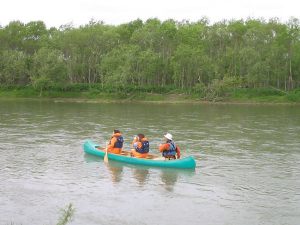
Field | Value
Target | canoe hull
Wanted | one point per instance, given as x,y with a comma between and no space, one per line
185,163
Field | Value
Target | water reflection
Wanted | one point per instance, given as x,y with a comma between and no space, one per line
169,179
116,171
115,168
91,158
142,174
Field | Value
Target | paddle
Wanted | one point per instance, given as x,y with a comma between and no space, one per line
106,156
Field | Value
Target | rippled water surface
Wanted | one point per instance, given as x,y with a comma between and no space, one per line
248,164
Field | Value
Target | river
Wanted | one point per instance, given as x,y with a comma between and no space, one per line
248,164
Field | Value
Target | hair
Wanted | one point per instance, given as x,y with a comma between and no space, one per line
141,136
116,131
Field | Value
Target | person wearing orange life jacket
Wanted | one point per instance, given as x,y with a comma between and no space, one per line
169,149
116,143
140,146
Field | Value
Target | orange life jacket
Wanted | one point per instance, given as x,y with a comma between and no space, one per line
115,144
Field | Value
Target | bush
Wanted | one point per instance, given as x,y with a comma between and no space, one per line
294,96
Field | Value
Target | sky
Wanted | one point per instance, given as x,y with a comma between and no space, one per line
80,12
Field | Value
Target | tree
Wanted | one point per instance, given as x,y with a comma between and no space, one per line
13,36
48,67
13,68
185,54
34,33
293,38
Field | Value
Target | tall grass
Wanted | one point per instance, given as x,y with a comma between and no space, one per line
66,215
216,92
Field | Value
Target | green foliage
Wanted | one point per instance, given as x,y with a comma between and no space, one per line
199,89
208,61
293,96
256,92
262,95
13,67
48,65
41,83
220,91
66,215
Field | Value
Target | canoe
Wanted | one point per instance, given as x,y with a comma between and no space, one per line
185,163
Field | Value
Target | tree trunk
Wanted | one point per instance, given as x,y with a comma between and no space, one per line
290,80
89,75
182,78
285,85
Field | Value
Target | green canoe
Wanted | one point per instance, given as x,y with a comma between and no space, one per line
185,163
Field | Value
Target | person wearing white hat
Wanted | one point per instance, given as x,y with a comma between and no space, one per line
168,136
169,149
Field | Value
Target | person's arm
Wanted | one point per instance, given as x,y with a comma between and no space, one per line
133,144
137,145
163,147
112,143
178,152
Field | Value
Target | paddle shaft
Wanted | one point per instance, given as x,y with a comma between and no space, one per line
106,156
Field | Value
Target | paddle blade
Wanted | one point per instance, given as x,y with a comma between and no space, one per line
106,156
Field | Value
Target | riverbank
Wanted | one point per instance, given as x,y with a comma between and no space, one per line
234,96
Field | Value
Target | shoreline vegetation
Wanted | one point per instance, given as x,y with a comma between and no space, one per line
66,215
99,94
231,61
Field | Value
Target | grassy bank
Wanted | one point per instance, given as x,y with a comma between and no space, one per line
264,95
153,94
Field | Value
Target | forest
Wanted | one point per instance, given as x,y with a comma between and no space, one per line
153,54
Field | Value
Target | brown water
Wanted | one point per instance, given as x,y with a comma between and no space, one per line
248,164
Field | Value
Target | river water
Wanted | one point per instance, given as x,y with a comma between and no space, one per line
248,164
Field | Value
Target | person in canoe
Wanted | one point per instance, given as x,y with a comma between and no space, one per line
115,144
140,146
169,149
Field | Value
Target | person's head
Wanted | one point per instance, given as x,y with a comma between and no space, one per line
140,136
168,137
116,131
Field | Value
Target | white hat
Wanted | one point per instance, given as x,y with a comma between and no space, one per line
168,136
